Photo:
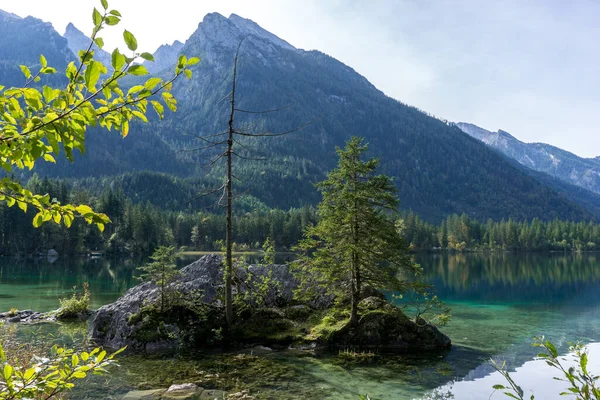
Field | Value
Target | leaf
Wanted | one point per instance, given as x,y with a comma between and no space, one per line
112,20
25,71
43,61
115,12
152,83
92,74
99,42
135,89
96,17
7,372
193,61
182,61
104,4
130,40
125,128
551,349
160,110
79,375
137,70
84,209
29,374
49,158
147,56
74,360
188,74
101,356
49,94
117,60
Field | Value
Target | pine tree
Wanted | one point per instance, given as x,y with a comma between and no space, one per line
355,242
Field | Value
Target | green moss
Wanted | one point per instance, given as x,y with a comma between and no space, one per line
328,325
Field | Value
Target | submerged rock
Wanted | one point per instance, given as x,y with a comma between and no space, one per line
185,391
144,394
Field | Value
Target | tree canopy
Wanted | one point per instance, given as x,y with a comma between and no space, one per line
355,242
38,120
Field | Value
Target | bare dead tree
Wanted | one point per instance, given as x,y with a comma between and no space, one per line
228,140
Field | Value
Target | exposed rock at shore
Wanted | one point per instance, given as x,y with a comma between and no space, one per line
276,322
383,326
26,316
124,323
185,391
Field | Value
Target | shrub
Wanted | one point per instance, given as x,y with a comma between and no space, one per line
78,304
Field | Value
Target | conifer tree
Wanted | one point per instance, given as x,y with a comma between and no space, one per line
356,242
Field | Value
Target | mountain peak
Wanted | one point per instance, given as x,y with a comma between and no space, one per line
228,32
250,27
72,30
6,15
77,41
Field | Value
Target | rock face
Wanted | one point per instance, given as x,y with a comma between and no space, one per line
277,321
26,316
566,166
384,327
115,325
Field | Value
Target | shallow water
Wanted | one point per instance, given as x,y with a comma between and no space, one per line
499,303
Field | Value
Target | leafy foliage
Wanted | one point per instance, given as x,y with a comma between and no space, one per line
47,377
36,123
583,385
78,304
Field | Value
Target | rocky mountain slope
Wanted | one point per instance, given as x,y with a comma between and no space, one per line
566,166
437,168
79,41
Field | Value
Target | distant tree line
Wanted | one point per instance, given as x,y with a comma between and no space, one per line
139,227
462,233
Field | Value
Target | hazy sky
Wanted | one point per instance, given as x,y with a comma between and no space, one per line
529,67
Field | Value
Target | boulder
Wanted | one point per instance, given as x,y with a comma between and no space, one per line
120,324
144,394
185,391
384,327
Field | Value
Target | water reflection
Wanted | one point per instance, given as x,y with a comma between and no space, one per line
509,277
499,302
38,284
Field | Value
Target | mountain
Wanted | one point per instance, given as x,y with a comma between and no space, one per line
165,57
566,166
437,168
79,41
22,40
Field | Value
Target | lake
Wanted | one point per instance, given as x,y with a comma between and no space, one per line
499,303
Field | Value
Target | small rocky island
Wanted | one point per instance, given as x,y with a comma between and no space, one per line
275,319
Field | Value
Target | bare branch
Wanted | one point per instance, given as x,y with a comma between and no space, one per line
265,111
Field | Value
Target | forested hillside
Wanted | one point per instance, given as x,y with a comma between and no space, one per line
438,169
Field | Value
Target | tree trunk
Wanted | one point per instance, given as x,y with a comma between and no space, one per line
355,260
229,234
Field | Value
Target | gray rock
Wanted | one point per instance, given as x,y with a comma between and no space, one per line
14,319
144,394
112,327
185,391
213,395
385,327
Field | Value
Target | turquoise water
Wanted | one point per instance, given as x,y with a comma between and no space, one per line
499,303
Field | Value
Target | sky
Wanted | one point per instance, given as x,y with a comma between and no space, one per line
529,67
